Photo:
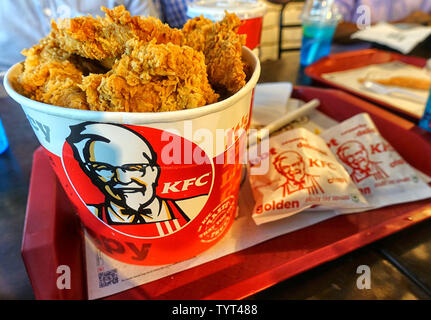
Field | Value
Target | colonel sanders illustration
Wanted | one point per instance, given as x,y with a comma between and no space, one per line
290,165
355,155
123,166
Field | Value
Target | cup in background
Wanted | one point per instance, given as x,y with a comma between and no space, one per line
319,21
250,12
316,41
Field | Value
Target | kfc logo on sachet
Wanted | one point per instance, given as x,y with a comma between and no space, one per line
290,164
355,155
137,193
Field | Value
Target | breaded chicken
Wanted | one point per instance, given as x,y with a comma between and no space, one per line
134,64
404,81
222,47
104,39
151,77
48,76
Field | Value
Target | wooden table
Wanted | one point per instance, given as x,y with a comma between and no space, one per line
399,264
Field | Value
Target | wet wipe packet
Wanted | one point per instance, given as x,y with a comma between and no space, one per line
381,174
302,172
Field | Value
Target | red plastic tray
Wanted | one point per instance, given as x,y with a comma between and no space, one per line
357,59
52,234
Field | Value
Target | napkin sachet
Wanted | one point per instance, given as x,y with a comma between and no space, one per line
349,168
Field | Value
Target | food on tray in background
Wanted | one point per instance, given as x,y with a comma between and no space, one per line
403,81
381,174
302,173
134,64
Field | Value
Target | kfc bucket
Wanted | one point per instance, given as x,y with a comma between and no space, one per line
250,12
150,188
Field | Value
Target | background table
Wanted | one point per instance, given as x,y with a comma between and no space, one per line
399,264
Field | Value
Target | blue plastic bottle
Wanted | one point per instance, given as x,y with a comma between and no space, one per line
4,144
316,41
425,121
319,19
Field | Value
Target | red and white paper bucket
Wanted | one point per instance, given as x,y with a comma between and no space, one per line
250,12
150,188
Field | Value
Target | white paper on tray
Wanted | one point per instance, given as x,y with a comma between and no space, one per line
270,102
243,234
349,79
401,39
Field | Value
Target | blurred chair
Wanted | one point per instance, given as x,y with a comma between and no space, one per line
282,25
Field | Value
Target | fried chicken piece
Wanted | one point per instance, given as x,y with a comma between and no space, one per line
151,77
49,77
222,47
151,66
104,39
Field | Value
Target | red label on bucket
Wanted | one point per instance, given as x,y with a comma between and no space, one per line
142,201
253,29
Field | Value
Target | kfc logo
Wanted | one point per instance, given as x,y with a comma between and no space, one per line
131,182
291,166
355,155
